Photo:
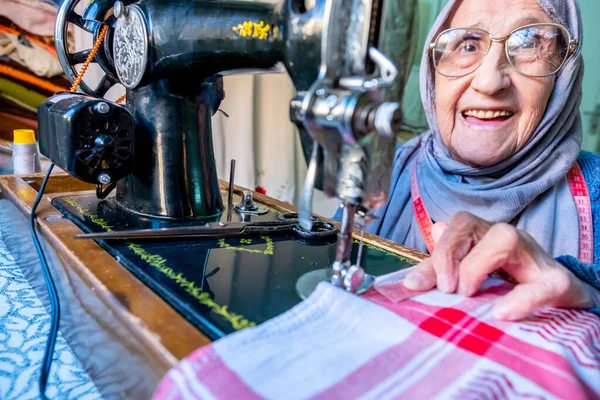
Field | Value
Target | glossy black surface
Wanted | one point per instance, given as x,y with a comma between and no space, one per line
197,39
83,141
174,171
219,286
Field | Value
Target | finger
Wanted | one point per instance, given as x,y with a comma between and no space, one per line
422,277
463,231
523,300
437,230
556,288
499,247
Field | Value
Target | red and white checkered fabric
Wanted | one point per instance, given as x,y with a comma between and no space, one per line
402,345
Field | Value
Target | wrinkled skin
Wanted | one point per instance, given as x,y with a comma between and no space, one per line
495,85
468,248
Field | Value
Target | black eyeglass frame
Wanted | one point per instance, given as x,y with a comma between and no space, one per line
571,48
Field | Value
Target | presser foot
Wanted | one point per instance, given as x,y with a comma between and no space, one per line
352,279
342,274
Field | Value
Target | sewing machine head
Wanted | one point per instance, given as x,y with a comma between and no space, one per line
348,60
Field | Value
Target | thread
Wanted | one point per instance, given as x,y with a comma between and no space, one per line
25,152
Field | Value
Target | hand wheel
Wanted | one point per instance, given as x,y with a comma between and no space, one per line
97,14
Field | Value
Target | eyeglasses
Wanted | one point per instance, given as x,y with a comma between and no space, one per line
535,50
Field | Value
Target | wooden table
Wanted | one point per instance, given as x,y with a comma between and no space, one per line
125,335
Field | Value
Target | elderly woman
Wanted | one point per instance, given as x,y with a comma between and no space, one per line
498,182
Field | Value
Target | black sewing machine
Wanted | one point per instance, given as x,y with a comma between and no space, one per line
348,60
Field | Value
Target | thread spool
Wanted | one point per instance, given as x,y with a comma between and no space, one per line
26,155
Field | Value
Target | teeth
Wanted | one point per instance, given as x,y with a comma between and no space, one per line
481,114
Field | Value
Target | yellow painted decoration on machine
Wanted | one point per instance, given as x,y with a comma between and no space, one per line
252,29
238,322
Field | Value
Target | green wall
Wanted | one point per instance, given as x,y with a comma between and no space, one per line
590,105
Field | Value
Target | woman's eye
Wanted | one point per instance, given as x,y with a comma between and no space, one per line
468,47
528,45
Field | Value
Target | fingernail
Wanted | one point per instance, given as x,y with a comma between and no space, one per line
463,290
444,283
414,281
501,311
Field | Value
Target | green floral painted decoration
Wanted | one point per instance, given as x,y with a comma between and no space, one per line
237,321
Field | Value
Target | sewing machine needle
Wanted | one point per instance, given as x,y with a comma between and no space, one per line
360,244
368,279
306,197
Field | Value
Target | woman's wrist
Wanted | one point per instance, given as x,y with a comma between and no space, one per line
587,274
593,293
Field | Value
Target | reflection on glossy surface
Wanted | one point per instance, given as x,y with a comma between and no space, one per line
219,285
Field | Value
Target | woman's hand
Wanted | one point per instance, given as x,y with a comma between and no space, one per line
469,248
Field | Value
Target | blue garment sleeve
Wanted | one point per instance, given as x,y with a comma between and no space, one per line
590,166
589,274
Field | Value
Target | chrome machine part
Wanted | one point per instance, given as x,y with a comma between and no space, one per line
248,207
104,178
357,39
385,75
130,45
120,9
346,113
102,108
356,280
388,118
344,247
336,19
346,121
306,195
333,109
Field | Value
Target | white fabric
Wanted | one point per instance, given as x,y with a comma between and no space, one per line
327,320
337,345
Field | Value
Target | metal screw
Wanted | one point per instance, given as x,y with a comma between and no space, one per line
120,10
332,100
104,178
100,143
247,203
102,108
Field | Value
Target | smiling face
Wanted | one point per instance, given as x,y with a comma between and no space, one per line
489,114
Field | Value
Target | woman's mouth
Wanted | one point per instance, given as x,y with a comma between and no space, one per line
490,118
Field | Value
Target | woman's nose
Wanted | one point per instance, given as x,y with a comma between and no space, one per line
491,76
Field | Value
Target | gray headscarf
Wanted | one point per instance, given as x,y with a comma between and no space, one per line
528,190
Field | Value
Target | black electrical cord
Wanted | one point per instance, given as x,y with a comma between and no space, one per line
52,293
